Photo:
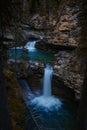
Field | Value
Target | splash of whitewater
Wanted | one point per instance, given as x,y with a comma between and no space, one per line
47,101
30,45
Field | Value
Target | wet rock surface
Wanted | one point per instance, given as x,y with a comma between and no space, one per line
65,32
58,86
70,69
68,74
61,37
44,46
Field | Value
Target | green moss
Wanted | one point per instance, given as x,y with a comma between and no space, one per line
15,104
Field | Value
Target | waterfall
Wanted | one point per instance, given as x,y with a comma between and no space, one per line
46,100
31,45
47,81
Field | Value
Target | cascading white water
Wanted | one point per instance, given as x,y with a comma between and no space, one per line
47,81
47,101
31,45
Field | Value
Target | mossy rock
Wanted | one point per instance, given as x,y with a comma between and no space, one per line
16,106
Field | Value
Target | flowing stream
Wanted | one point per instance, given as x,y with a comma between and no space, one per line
46,100
50,112
47,81
33,53
31,46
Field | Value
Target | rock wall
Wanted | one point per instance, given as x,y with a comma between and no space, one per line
70,68
61,35
66,30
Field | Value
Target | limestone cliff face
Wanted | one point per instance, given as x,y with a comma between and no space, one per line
70,68
58,22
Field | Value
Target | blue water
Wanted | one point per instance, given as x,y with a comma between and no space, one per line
50,112
51,118
62,118
35,55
